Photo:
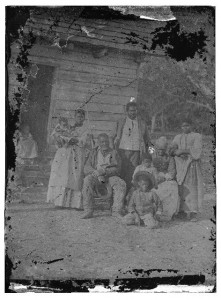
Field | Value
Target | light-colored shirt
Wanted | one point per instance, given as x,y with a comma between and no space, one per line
193,142
26,147
130,139
103,161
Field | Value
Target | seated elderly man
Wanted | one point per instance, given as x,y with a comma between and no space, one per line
103,164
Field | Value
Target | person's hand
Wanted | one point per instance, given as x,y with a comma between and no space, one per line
73,141
116,141
59,142
158,215
101,171
80,143
184,156
137,219
168,177
161,174
101,179
178,152
160,179
181,153
90,136
172,149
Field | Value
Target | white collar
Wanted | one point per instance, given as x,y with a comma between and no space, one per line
135,120
99,150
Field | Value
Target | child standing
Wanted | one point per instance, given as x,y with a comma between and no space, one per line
144,206
27,152
27,149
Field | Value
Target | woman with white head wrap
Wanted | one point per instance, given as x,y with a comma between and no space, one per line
167,186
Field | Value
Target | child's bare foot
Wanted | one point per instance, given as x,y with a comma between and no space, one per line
140,223
193,217
159,225
188,215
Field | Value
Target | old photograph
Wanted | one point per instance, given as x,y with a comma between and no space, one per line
110,149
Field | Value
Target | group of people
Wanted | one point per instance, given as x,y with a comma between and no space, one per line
147,187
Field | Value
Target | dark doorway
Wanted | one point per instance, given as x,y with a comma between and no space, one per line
37,110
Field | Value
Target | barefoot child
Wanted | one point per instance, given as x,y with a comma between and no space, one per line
144,206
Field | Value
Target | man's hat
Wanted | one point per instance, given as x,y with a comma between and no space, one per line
132,102
132,99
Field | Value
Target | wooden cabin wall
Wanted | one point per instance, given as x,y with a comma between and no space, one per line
78,75
80,72
111,79
112,33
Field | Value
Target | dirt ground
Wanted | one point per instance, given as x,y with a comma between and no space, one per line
47,243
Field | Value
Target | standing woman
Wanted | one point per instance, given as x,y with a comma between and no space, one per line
167,189
66,179
187,149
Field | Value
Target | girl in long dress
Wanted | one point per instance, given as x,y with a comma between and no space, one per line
27,149
26,153
66,179
187,149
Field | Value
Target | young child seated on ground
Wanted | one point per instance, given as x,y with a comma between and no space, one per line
27,149
145,206
146,166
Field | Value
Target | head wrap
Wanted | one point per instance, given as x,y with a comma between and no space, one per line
162,143
146,155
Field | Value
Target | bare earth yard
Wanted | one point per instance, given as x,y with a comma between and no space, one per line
48,243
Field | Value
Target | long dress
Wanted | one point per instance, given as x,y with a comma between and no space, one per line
26,148
26,152
167,186
66,178
189,173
